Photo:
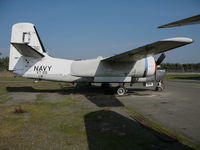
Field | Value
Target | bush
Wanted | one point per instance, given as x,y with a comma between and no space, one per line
4,63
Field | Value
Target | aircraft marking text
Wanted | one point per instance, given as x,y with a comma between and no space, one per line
42,68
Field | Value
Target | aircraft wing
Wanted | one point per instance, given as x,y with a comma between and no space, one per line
187,21
26,50
149,50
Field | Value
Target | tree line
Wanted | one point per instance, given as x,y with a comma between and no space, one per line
169,67
4,63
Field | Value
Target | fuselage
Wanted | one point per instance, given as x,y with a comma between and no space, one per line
91,70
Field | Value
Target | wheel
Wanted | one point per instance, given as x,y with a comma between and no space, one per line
121,91
159,89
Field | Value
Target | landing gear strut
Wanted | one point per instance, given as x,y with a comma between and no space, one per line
160,86
121,90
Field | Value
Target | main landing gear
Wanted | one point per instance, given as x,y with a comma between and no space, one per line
160,86
121,90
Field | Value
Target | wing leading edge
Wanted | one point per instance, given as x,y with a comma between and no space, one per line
149,50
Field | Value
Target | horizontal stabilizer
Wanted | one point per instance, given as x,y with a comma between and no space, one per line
26,50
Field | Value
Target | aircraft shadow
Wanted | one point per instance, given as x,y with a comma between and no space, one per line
107,130
101,97
95,94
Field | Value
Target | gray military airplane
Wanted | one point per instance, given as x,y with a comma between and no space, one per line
28,58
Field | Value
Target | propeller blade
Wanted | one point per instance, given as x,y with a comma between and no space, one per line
160,59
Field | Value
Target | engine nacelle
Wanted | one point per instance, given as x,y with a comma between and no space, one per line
150,67
156,77
145,67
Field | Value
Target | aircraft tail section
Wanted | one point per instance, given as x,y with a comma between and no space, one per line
25,42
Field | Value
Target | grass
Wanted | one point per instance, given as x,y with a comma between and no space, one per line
47,124
182,77
4,95
51,123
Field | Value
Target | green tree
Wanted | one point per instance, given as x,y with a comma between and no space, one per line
4,63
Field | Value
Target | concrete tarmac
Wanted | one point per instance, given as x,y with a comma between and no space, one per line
177,108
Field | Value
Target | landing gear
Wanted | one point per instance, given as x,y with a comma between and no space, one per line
89,85
160,86
121,90
105,85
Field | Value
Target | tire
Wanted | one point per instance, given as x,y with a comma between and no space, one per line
159,89
121,91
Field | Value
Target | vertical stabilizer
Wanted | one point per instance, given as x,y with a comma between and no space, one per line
23,33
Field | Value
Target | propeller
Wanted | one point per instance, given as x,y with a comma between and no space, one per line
160,59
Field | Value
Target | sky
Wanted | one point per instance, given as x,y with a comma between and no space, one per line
85,29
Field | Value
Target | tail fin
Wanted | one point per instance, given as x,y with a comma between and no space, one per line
25,41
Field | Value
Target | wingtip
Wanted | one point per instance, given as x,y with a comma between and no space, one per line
160,27
180,39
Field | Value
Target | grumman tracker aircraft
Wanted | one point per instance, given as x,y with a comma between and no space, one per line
29,59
